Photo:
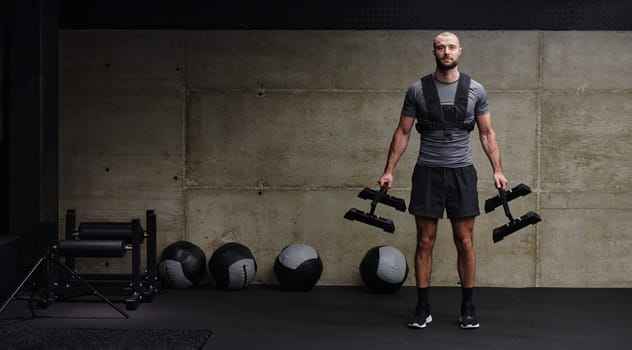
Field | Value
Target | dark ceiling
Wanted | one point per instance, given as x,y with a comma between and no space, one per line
352,14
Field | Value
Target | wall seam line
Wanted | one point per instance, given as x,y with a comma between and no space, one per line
185,94
538,272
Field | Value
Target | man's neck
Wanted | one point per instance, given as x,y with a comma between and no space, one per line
447,75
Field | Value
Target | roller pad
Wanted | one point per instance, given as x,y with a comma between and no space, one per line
91,248
518,191
107,231
373,220
503,231
397,203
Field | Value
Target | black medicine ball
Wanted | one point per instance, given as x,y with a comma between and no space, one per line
232,266
298,267
182,265
384,269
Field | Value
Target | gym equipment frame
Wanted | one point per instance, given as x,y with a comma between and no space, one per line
47,296
111,239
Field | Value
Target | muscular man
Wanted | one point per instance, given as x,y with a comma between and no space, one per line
447,105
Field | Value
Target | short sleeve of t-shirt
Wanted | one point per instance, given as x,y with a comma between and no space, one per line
414,96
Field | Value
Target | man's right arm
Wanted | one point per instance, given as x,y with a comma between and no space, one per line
399,143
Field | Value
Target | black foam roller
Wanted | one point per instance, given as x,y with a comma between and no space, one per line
106,230
91,248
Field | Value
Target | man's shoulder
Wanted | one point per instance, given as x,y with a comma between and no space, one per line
415,86
475,84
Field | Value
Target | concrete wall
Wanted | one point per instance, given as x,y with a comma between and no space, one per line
266,137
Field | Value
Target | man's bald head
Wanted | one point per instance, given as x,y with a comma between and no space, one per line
443,36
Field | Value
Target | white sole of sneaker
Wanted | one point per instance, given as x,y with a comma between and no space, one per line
469,326
420,326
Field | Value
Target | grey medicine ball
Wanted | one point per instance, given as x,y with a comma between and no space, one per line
298,267
232,266
384,269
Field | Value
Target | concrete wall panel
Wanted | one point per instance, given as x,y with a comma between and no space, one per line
586,141
587,60
122,118
587,200
88,57
586,248
501,60
585,239
515,121
289,138
351,59
292,60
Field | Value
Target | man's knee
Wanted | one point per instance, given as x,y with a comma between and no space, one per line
425,244
465,245
426,233
463,232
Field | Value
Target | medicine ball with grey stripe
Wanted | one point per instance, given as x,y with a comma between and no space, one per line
384,269
182,265
232,266
298,267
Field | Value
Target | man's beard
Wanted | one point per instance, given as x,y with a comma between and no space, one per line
445,67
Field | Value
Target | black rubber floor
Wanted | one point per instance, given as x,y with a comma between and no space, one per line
349,318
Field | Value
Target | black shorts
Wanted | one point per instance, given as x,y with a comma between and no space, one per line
437,189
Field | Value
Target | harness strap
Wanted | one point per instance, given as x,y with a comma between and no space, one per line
428,125
437,119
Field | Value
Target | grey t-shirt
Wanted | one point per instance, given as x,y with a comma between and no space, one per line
437,149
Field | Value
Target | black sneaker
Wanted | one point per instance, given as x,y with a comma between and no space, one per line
421,318
468,320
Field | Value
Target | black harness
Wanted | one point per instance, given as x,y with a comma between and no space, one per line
445,117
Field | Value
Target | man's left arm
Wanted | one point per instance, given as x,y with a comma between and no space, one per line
490,146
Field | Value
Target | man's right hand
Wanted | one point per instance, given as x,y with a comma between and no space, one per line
386,178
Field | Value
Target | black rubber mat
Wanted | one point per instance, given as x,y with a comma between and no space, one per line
350,318
25,337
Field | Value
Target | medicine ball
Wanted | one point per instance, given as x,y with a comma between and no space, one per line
298,267
384,269
182,265
232,266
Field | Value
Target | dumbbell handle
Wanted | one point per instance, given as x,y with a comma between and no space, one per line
379,196
502,194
